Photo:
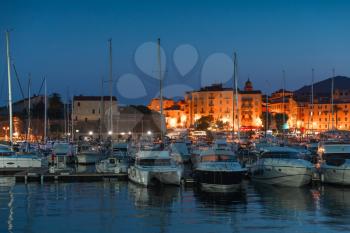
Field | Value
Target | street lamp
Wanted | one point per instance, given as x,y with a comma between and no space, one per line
91,133
149,132
110,132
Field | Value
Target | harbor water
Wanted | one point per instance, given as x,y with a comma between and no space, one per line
127,207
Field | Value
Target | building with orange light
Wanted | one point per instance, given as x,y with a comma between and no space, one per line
282,101
154,105
219,102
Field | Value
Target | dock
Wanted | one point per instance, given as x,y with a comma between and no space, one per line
42,175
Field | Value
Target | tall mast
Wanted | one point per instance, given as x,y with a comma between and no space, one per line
45,113
235,65
267,112
29,108
332,98
101,111
233,94
9,85
72,120
283,95
160,92
312,98
110,87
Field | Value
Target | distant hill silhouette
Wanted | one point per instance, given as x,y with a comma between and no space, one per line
323,88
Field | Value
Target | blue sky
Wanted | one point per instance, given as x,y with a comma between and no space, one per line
66,41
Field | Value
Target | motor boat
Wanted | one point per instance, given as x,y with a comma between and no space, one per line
89,154
218,169
11,159
62,152
335,165
281,166
117,162
154,166
180,153
196,150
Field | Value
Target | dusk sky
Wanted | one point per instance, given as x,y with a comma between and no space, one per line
67,42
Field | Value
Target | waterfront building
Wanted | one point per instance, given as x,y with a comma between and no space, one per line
219,102
91,115
154,104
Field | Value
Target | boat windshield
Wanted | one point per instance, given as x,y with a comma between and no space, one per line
154,162
336,156
280,155
218,158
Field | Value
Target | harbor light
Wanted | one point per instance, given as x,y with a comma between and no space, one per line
77,130
149,132
110,132
129,133
91,133
122,133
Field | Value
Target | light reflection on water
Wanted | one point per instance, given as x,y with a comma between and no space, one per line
123,206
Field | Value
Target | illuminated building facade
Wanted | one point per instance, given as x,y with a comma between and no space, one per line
219,102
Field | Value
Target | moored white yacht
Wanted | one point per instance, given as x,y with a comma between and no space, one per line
118,162
281,166
180,153
10,159
62,152
335,166
153,166
218,169
89,154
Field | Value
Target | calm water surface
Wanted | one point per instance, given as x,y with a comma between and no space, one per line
126,207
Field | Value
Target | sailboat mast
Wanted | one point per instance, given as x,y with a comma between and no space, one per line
29,108
332,98
233,94
283,95
72,120
101,111
45,113
236,94
312,97
160,92
110,88
9,85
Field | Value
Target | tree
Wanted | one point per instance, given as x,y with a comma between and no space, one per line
203,123
263,120
279,120
219,124
55,109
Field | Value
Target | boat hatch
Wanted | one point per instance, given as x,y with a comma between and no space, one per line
280,155
217,158
154,162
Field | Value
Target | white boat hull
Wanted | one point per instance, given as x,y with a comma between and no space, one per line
118,168
282,172
149,178
19,162
89,158
339,175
